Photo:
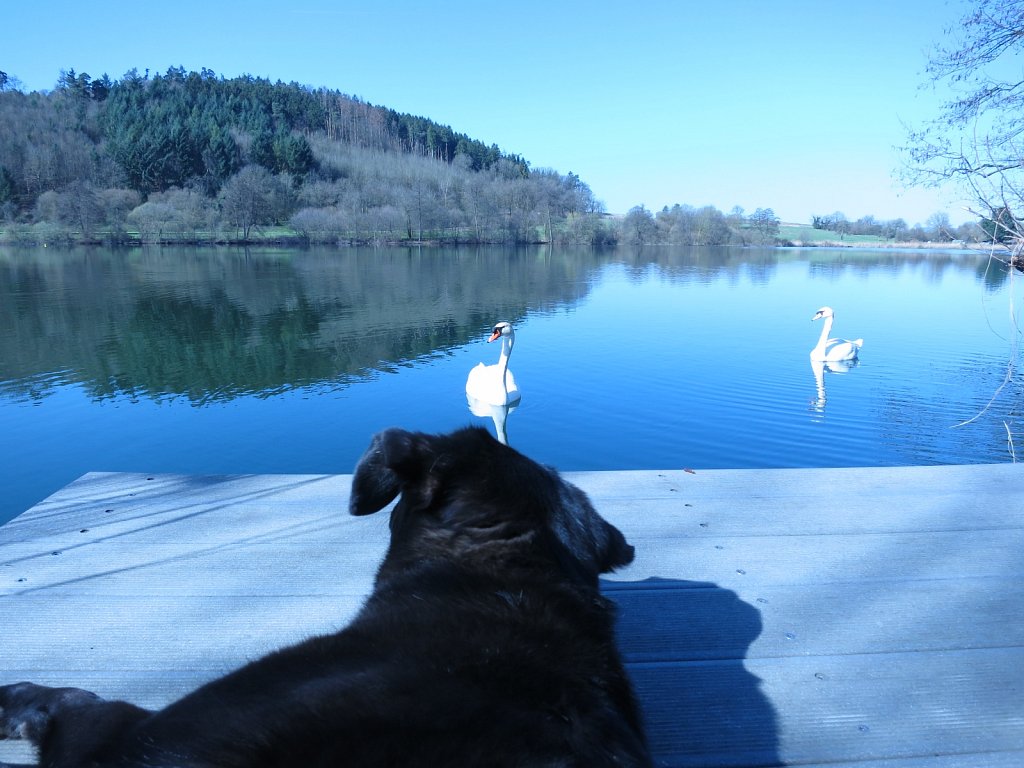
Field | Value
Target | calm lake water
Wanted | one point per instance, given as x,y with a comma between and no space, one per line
204,361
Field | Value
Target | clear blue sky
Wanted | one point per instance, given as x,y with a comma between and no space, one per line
796,105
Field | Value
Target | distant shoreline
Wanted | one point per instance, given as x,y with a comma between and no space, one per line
893,245
299,242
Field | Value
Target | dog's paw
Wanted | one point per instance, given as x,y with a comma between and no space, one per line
26,709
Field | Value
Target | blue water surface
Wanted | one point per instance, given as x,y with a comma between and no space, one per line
249,362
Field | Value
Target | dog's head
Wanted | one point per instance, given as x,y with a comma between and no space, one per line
474,492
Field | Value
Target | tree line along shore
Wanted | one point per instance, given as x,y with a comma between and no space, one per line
194,158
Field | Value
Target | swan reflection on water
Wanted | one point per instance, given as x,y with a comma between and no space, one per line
498,413
819,368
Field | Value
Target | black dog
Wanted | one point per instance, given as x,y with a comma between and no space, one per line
485,642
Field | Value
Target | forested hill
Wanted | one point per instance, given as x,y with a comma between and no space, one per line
193,157
144,156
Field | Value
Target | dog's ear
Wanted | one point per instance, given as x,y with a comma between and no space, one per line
396,461
616,551
375,483
596,545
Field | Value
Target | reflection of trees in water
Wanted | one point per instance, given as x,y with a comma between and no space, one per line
206,350
704,263
832,262
211,325
700,264
993,273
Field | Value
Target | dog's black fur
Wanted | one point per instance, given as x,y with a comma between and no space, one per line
485,642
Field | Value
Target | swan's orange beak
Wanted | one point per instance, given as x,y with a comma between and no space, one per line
495,335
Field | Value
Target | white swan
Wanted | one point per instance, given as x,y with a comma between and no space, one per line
833,350
495,384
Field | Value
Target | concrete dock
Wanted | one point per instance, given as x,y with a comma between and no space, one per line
863,617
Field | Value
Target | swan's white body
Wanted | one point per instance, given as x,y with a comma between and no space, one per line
495,384
833,350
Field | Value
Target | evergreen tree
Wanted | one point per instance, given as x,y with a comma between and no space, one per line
6,186
221,157
261,150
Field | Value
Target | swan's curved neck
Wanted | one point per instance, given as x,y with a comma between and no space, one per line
826,329
506,352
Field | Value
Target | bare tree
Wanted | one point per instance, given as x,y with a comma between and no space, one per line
254,197
977,139
765,224
639,226
79,206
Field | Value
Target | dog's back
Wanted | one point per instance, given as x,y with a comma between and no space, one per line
490,591
485,642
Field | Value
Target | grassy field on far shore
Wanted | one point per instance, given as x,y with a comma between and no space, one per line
805,233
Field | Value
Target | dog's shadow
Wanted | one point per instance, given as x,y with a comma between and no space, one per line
684,643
